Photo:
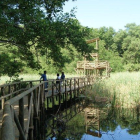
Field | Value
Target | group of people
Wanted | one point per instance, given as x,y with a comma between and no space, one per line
44,78
62,77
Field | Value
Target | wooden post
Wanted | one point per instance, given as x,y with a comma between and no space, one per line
96,44
59,93
66,97
53,101
78,87
15,88
19,86
47,102
22,136
56,97
2,103
9,90
74,87
2,91
84,82
31,84
85,119
63,95
62,91
53,96
70,90
35,120
21,115
84,66
30,135
42,114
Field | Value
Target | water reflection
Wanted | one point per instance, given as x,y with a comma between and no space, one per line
81,122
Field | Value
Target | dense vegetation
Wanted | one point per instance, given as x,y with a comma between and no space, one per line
121,90
37,35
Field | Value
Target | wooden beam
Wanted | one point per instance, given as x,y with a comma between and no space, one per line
94,54
92,40
96,134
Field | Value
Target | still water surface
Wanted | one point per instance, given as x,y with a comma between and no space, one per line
95,123
117,134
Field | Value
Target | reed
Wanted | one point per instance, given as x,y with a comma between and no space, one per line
121,89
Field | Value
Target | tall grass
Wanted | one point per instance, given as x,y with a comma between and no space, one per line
122,89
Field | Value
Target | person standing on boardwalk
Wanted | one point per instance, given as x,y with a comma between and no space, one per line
62,76
57,82
44,77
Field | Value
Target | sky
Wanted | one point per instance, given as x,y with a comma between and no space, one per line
108,13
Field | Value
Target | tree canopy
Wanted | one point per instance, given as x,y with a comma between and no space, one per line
32,28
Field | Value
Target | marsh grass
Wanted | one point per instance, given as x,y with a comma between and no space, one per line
121,89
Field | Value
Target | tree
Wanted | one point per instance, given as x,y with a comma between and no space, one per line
118,40
107,35
131,47
36,28
9,66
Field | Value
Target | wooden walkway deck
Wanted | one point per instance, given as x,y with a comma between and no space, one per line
33,99
47,94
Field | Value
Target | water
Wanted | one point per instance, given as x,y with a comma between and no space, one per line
95,123
118,134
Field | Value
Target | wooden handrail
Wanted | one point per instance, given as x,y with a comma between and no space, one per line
2,97
4,85
36,98
10,90
8,111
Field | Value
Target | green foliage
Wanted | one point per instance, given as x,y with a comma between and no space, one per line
110,56
132,53
107,34
38,28
14,78
120,48
9,65
118,40
132,67
130,48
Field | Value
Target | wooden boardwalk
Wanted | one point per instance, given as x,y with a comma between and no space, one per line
47,94
30,104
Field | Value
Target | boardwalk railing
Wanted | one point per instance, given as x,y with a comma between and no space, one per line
8,91
24,114
27,106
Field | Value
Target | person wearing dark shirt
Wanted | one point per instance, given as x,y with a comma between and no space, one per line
57,82
62,76
44,77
